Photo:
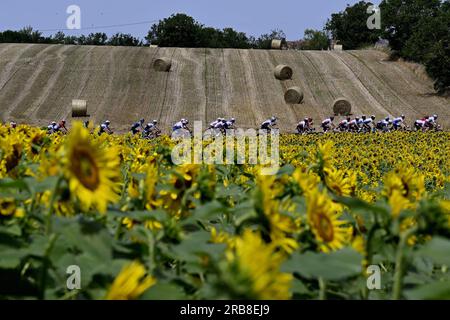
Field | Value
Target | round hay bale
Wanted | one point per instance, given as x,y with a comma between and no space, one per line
278,44
342,106
79,108
162,64
283,72
293,95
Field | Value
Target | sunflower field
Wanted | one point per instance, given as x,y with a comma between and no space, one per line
347,216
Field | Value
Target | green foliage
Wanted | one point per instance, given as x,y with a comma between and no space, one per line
315,40
334,266
121,39
179,30
25,35
265,40
419,30
400,19
350,27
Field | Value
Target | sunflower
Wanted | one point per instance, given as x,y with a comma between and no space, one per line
306,181
398,203
7,206
324,153
11,151
131,283
339,183
180,180
222,237
259,265
404,179
281,227
323,217
92,171
150,187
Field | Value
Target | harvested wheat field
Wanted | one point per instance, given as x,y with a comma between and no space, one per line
39,82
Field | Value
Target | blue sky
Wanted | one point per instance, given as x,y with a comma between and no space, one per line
251,16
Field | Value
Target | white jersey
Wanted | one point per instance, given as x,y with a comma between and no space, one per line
360,122
383,123
302,124
229,124
420,122
104,126
178,125
266,123
353,122
368,121
219,125
326,122
397,120
431,120
213,124
344,123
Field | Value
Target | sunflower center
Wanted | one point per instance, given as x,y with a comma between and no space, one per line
85,168
325,228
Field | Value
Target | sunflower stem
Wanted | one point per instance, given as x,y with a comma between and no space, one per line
369,254
323,289
399,261
45,265
151,251
48,218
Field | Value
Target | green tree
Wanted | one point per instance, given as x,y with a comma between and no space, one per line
235,39
25,35
315,40
438,65
210,38
96,39
399,19
121,39
265,40
179,30
350,26
419,30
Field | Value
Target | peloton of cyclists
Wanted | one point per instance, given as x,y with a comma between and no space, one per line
360,124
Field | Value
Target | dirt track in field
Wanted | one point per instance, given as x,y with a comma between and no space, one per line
38,83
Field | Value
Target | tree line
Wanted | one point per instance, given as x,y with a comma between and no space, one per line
417,30
178,30
28,35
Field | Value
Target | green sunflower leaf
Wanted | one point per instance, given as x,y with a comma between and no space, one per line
337,265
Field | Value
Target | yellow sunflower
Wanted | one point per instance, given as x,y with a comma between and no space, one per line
398,203
131,283
339,183
7,206
323,217
260,263
282,227
93,171
406,180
